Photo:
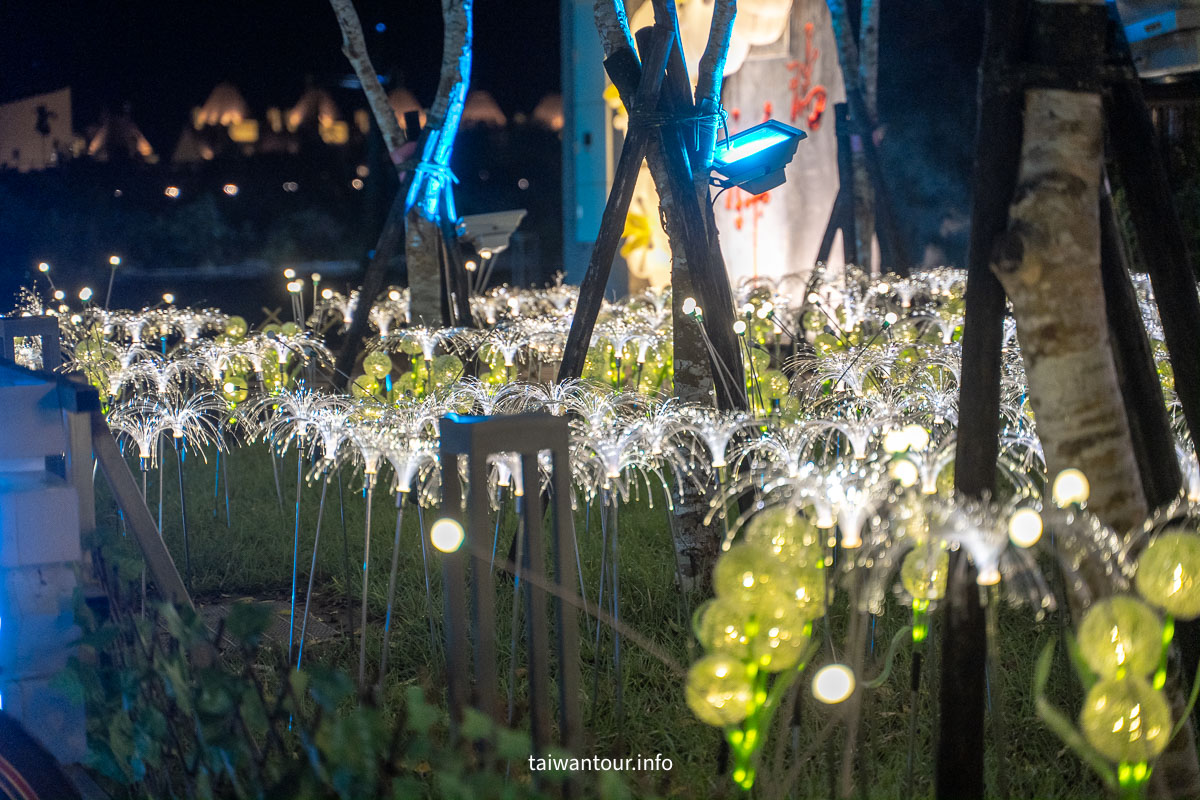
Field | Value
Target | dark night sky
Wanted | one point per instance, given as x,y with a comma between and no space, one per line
165,56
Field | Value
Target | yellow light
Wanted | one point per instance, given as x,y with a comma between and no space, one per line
905,472
446,535
171,191
357,183
394,295
316,277
918,437
326,293
1025,527
895,441
1070,486
85,294
289,273
471,266
833,683
295,286
230,388
114,260
59,294
230,189
244,131
988,576
168,298
43,267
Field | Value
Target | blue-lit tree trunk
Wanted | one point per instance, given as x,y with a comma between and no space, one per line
430,195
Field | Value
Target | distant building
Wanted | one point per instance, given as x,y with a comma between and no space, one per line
36,132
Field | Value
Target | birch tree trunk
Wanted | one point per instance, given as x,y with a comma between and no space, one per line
390,238
426,198
354,47
696,545
1049,263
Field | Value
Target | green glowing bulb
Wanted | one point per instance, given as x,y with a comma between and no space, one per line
923,571
722,626
1168,573
377,364
1121,635
719,690
781,635
236,327
1126,720
744,572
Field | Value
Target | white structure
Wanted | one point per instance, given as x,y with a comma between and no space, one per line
42,514
36,133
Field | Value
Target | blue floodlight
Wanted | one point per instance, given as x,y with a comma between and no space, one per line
754,159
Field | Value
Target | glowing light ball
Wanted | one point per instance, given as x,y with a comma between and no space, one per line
235,389
722,627
446,535
1025,527
833,683
917,436
904,471
1126,720
895,441
805,585
785,534
1168,574
1121,635
377,364
236,327
719,691
781,636
923,571
1070,486
364,386
744,572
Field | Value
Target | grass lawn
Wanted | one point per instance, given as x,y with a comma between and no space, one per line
252,558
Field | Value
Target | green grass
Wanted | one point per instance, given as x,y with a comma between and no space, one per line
253,558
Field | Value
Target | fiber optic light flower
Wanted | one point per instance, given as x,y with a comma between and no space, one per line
1121,636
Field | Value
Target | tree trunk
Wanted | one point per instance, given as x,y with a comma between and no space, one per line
355,50
433,176
424,269
1049,263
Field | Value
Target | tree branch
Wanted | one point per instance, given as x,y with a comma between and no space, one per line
613,25
355,49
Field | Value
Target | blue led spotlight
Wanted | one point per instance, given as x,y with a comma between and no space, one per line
754,159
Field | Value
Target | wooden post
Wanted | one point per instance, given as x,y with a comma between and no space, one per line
997,156
841,217
1159,233
892,252
1145,408
612,223
141,524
